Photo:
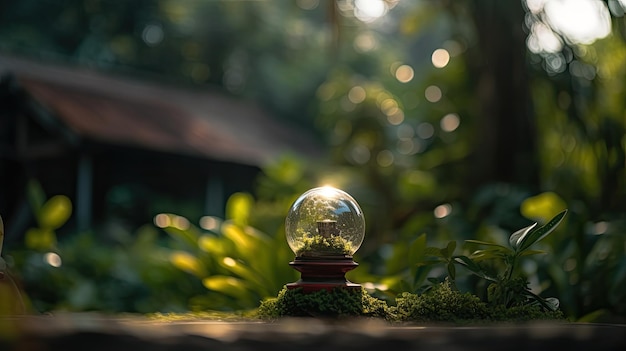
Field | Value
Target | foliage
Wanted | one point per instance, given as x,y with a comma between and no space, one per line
319,245
236,263
230,267
50,214
127,274
507,289
122,273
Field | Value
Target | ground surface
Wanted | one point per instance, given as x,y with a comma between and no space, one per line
97,332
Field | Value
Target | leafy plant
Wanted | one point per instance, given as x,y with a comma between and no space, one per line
237,264
50,214
507,289
121,272
426,256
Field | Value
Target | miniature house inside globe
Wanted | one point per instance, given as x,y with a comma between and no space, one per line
325,222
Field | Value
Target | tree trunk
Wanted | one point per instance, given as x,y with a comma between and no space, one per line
505,147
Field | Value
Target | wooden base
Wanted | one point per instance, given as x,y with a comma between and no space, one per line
323,273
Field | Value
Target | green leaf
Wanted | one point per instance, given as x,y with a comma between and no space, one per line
246,273
419,276
531,252
186,236
451,270
188,263
542,232
40,239
429,262
550,303
417,250
473,267
55,212
553,302
480,255
480,242
249,242
516,238
227,285
212,245
239,207
404,285
433,251
36,196
447,251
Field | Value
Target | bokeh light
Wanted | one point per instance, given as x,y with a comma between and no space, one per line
210,223
600,228
425,130
543,39
308,4
229,261
385,158
389,106
357,94
442,211
396,118
152,34
404,74
405,131
360,154
53,259
162,220
365,42
440,58
369,10
450,122
576,21
433,93
581,21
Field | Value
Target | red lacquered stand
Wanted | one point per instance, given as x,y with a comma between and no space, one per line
323,273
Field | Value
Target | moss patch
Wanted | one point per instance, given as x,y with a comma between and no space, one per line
323,303
318,245
441,304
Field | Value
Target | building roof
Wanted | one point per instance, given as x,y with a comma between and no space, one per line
114,109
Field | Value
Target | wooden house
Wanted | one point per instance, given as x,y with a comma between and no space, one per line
126,147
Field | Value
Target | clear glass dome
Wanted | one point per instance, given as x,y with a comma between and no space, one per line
325,222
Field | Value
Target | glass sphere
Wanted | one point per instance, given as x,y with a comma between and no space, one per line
325,222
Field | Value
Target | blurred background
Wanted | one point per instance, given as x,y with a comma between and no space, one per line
149,150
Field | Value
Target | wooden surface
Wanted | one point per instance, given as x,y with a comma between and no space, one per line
97,332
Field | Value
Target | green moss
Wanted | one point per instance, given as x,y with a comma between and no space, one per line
444,304
319,245
323,303
441,304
